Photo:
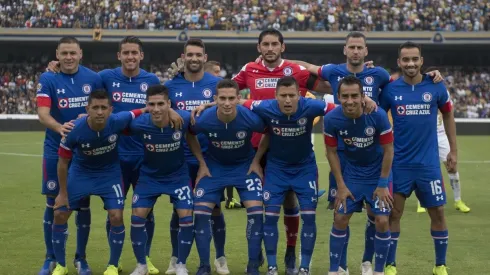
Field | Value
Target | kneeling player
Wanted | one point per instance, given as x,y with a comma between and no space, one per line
94,170
368,151
230,153
163,172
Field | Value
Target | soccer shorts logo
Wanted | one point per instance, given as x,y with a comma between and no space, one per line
135,198
427,97
207,93
143,87
287,71
177,135
86,89
39,87
369,80
333,192
199,193
302,121
241,134
51,185
266,195
113,138
369,131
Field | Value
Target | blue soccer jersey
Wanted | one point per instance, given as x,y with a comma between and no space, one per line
187,95
128,93
363,138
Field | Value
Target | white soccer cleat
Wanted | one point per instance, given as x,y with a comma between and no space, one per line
181,269
141,269
221,266
379,273
172,266
343,272
366,268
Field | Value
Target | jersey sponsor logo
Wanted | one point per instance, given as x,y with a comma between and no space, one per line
189,105
113,138
72,102
143,87
369,80
63,103
427,97
163,147
60,91
86,88
207,93
369,131
398,97
228,144
413,109
241,134
213,134
359,142
368,91
289,131
39,87
287,71
264,83
136,197
178,94
177,135
199,193
145,136
302,121
266,195
137,98
116,84
342,133
99,151
51,185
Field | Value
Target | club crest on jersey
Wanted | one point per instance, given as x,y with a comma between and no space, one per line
207,93
86,89
302,121
113,138
150,147
369,131
51,185
287,71
369,80
143,87
177,136
241,134
427,97
39,87
199,192
136,197
266,195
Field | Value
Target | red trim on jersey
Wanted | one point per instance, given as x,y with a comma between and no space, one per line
66,154
330,107
330,141
386,138
391,79
136,113
320,72
248,104
446,108
43,101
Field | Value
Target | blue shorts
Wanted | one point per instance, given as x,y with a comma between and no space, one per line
107,186
363,192
210,189
50,186
302,180
178,189
193,169
332,186
427,183
130,168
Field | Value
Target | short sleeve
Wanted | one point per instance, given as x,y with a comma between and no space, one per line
384,127
99,84
384,99
258,124
67,145
44,96
443,99
325,71
384,77
241,78
123,119
329,132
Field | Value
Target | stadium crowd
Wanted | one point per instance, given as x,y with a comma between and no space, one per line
244,15
470,90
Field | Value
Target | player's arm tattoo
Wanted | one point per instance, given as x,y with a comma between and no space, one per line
313,69
388,154
194,147
334,162
63,173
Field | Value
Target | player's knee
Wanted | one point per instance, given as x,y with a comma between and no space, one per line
395,215
140,212
116,217
290,200
341,221
382,223
184,212
437,216
61,216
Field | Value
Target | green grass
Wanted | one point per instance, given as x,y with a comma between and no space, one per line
22,206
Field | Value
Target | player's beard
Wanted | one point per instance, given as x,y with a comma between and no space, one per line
411,71
194,66
270,58
356,63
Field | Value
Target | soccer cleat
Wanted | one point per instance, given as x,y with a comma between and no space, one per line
343,272
204,270
141,269
60,270
111,270
172,266
321,192
290,262
440,270
390,270
151,268
366,268
252,269
181,269
420,209
304,271
221,266
48,266
233,204
461,206
82,266
272,270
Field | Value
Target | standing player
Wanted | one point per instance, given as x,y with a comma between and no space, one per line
291,164
368,140
414,100
229,156
187,91
91,147
60,99
164,171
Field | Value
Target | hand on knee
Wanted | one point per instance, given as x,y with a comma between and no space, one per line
61,216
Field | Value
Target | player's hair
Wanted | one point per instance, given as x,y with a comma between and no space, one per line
227,83
355,35
99,94
210,64
287,81
157,90
409,45
68,40
195,42
131,40
350,80
271,32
